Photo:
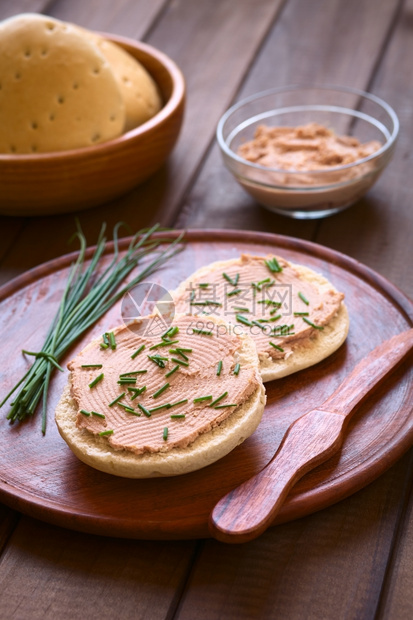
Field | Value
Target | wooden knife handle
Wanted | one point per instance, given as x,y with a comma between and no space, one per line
245,512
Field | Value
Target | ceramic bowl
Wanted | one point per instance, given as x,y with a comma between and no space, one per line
64,181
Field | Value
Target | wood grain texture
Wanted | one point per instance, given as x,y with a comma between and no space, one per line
248,510
311,42
75,495
328,565
52,573
124,17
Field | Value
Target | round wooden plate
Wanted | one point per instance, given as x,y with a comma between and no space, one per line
41,477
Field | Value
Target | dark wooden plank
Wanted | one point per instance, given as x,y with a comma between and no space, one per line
328,565
378,231
8,8
48,572
209,65
312,42
126,17
397,599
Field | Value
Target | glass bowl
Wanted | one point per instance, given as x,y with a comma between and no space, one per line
309,194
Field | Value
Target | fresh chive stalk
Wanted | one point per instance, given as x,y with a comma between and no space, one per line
103,433
91,290
97,414
178,361
217,400
96,380
165,433
177,416
171,372
141,348
304,299
91,366
273,265
219,367
161,390
276,346
311,323
201,399
117,399
237,369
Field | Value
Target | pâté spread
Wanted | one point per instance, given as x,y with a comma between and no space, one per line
266,297
310,147
154,393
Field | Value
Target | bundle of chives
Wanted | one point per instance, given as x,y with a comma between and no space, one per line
84,301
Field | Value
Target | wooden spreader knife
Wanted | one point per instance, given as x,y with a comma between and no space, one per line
246,512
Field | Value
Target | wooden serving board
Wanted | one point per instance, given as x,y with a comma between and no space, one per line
41,477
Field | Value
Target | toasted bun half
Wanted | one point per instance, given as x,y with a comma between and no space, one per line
206,449
306,353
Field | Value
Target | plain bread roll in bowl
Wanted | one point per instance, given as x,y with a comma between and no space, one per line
58,92
207,448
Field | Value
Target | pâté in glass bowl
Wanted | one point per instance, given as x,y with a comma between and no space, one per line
308,151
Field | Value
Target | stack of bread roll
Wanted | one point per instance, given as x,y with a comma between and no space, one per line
63,87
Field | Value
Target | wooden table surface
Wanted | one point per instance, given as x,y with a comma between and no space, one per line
354,559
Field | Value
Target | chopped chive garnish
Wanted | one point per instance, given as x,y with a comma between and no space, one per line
179,352
201,332
156,359
223,406
105,343
141,348
275,318
103,433
96,380
162,389
203,284
112,340
312,324
273,311
127,381
269,302
200,399
91,366
264,320
132,372
301,313
234,281
237,369
170,332
174,369
273,265
136,392
178,361
87,413
152,409
98,415
219,367
214,402
165,433
164,343
238,309
117,399
236,291
207,302
264,281
255,287
270,283
177,416
125,406
185,350
144,410
301,296
276,346
257,324
242,319
179,402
